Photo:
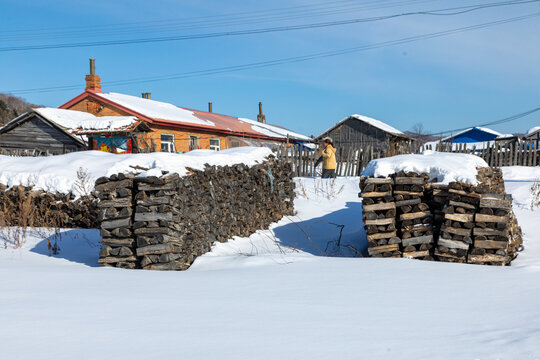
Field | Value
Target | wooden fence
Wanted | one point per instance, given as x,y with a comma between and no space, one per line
350,162
522,153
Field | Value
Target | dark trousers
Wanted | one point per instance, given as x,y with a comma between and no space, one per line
329,174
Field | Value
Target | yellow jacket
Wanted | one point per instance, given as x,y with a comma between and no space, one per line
329,157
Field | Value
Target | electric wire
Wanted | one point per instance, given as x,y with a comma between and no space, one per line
258,31
287,60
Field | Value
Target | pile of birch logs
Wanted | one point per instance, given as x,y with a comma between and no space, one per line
379,215
174,219
115,214
456,231
415,221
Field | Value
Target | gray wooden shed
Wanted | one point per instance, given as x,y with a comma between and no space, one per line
32,131
359,131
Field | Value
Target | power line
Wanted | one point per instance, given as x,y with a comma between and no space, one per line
496,122
275,62
317,9
439,12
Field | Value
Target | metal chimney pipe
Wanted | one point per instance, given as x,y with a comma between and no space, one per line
209,107
92,66
260,108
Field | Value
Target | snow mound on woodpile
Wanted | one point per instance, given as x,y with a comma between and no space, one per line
59,173
445,167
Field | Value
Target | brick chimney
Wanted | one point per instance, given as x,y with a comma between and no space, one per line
146,95
93,82
261,118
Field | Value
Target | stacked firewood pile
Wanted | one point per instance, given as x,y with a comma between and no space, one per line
456,231
115,214
176,219
26,206
415,220
491,232
458,222
379,215
491,181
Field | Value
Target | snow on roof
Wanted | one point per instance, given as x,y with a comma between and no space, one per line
373,122
273,130
533,130
496,133
155,109
79,121
59,173
445,167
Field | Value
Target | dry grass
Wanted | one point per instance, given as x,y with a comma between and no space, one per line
535,192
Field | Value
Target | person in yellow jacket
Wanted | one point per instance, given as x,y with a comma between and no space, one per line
328,159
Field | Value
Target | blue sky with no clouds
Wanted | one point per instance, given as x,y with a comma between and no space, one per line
449,82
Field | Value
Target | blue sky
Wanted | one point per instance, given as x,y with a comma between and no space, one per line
444,83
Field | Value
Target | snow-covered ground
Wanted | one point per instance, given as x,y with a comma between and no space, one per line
275,296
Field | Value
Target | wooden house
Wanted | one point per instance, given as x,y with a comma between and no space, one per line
59,131
533,136
359,131
35,132
176,129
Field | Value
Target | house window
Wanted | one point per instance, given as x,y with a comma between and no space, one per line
167,143
193,143
215,144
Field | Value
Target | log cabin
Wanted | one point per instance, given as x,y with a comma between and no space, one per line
359,131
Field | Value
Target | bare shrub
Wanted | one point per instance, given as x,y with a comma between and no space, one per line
535,192
84,183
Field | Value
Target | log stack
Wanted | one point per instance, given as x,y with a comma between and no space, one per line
115,214
456,231
379,215
176,219
437,197
415,220
157,224
491,232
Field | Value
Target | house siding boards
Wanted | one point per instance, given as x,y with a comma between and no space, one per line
36,133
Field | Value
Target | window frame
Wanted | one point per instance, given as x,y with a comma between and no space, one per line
169,143
213,147
197,143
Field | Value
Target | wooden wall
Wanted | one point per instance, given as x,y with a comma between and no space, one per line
35,133
355,133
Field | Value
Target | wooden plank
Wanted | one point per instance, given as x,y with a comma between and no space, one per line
491,218
426,239
379,181
490,244
462,204
409,180
408,202
460,217
489,232
416,254
453,244
449,256
402,192
416,215
376,194
456,231
382,249
381,206
463,193
487,258
386,221
378,236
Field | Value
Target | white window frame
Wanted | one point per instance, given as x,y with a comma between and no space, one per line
169,143
215,147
